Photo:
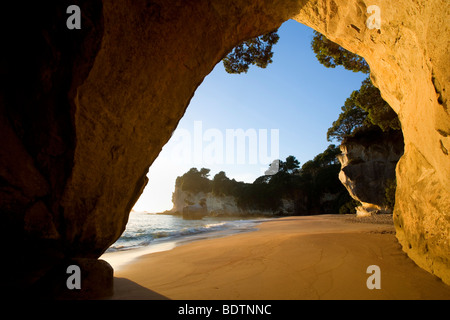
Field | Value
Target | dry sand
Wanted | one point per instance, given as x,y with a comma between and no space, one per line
313,257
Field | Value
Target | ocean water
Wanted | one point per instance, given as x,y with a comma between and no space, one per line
147,230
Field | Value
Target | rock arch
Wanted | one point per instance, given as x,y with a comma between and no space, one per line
85,112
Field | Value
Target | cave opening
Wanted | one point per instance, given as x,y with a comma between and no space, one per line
279,111
285,98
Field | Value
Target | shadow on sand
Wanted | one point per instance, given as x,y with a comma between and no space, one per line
125,289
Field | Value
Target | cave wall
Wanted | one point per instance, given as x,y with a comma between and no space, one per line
41,65
408,58
98,104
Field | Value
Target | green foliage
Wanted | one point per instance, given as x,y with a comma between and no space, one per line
328,158
267,191
364,108
379,112
351,118
320,176
331,55
195,181
256,51
290,166
223,186
259,197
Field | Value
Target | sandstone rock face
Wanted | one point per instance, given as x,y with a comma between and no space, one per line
407,57
366,168
85,112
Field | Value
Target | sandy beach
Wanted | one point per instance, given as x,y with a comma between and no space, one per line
312,257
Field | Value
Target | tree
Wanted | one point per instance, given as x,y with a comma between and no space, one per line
322,160
221,184
331,54
329,156
204,172
320,176
195,181
256,51
351,117
291,165
365,107
263,179
379,112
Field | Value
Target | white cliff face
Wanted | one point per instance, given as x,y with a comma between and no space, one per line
223,205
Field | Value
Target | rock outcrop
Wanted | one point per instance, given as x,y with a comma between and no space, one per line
84,113
194,212
368,163
201,204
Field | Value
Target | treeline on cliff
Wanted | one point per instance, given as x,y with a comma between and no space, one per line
314,187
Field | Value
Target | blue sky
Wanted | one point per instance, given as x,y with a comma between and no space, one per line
295,95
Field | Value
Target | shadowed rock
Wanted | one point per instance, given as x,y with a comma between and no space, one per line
367,165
